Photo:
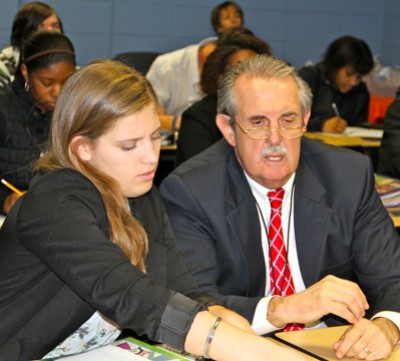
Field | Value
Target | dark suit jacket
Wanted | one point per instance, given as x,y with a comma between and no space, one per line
198,129
57,266
389,152
341,226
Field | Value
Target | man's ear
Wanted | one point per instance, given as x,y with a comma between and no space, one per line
306,117
225,126
24,71
82,148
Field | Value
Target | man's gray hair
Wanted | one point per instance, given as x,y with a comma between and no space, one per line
264,67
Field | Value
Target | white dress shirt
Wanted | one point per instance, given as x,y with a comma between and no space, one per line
175,77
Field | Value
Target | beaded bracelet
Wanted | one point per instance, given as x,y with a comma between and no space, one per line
210,337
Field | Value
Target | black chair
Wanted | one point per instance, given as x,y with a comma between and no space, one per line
140,60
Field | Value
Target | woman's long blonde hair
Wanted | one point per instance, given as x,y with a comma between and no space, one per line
89,104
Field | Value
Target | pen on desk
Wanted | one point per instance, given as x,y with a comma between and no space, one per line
10,186
335,110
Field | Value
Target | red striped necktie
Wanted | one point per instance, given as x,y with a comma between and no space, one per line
281,282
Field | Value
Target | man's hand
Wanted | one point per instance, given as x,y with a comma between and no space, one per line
330,295
334,125
369,340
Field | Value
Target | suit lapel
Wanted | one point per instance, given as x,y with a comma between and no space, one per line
243,221
312,219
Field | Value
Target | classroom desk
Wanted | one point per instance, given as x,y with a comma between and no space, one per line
342,140
318,343
394,214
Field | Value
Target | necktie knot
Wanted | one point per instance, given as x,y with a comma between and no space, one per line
276,198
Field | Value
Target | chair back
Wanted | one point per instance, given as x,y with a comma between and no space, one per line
139,60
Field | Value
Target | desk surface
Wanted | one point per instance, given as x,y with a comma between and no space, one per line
394,214
320,341
343,140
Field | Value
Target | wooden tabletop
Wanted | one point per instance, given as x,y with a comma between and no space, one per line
319,342
342,140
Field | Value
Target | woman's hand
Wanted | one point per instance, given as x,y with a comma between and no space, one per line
9,202
334,125
231,317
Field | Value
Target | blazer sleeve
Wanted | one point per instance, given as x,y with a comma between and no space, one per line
199,240
376,250
67,231
389,152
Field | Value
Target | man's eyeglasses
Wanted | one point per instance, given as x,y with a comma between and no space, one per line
289,132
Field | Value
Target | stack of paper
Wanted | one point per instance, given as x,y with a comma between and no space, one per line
129,349
389,190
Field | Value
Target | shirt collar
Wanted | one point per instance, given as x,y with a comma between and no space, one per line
260,191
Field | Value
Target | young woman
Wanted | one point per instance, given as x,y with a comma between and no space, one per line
47,60
226,15
340,97
198,129
30,18
88,250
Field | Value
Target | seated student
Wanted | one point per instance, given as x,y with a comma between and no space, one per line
340,97
88,250
47,60
198,129
175,76
226,15
30,18
287,231
389,151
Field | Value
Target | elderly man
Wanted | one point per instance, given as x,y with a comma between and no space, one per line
287,231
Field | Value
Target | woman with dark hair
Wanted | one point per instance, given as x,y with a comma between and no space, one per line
30,18
198,129
47,60
340,97
93,252
226,15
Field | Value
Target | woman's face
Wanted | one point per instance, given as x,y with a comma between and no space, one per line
45,83
346,79
229,17
129,151
50,23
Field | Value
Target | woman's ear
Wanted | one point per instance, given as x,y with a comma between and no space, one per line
224,124
82,148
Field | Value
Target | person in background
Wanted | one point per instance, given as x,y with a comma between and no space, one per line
340,97
198,129
389,151
175,76
30,18
92,251
47,61
270,225
226,15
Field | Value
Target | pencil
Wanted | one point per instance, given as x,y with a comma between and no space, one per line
9,185
335,110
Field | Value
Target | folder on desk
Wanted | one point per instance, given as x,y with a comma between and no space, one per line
319,343
129,349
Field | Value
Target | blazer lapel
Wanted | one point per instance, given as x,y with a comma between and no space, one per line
242,218
312,219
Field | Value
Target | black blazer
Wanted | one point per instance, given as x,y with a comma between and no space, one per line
198,129
341,226
57,266
389,151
